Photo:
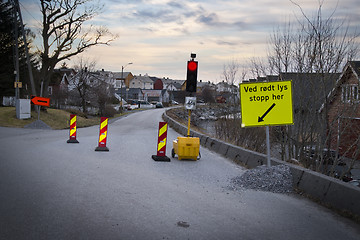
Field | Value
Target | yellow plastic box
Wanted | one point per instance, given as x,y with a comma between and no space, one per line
186,148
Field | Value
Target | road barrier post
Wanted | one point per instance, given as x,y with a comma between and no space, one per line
72,137
103,135
161,146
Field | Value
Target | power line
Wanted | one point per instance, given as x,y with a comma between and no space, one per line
22,5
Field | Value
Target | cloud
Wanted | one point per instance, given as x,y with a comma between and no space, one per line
175,4
159,35
209,19
151,14
228,43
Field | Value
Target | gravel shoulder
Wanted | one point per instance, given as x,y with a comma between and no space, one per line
276,179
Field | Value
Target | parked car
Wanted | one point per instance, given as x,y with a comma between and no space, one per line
145,104
132,104
355,183
159,105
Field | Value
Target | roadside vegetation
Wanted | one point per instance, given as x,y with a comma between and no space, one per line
55,118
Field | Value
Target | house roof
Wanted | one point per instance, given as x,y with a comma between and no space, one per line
60,74
354,67
117,75
152,93
129,90
310,89
154,78
176,83
144,79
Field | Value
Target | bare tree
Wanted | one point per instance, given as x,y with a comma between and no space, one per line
64,34
229,74
258,67
281,43
81,83
102,96
91,88
317,47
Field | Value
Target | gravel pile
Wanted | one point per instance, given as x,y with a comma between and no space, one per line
276,179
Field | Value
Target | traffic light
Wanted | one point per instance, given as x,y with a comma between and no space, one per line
191,77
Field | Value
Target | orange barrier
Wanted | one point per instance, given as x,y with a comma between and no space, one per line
103,135
161,146
72,138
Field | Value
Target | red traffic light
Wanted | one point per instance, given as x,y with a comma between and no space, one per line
192,65
191,76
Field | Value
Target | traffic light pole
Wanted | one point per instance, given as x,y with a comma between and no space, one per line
189,122
191,80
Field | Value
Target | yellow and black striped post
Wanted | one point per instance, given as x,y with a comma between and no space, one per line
103,135
72,138
161,146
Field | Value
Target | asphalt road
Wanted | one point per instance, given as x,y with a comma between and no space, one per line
53,190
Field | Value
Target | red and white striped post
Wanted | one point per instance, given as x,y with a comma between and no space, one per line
161,146
72,138
103,135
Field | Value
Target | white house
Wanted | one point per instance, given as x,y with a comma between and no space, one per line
223,87
122,79
142,82
172,85
156,95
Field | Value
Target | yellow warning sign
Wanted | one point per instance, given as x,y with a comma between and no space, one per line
266,103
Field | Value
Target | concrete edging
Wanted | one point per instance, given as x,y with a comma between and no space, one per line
324,189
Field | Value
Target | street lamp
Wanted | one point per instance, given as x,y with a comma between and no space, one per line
122,79
122,69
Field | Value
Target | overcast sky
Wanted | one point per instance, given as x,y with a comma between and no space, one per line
157,36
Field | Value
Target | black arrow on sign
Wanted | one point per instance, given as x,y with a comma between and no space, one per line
261,119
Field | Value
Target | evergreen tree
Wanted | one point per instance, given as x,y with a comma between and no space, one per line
7,49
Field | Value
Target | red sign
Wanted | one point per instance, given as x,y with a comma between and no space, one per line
41,101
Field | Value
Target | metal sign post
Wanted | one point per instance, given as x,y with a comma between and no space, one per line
190,104
41,92
268,146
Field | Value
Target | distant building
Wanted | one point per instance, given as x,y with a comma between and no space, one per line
344,112
142,82
156,95
158,83
122,79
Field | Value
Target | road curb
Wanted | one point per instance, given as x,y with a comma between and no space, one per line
323,189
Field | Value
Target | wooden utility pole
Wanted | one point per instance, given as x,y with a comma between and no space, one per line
17,17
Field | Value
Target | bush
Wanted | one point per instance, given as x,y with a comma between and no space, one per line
109,111
230,130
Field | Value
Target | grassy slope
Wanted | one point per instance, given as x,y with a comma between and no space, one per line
55,118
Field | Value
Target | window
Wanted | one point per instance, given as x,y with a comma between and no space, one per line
350,93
